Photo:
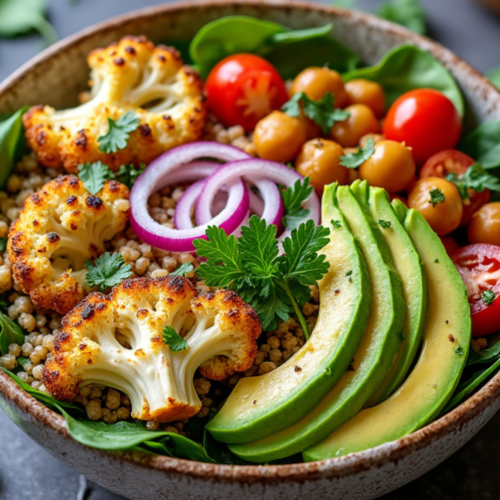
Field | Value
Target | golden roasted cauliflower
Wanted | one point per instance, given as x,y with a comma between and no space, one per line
59,229
118,340
131,75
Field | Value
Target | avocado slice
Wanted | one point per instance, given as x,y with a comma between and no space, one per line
259,406
409,268
442,359
372,360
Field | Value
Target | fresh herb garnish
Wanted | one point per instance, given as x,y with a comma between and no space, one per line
488,296
109,270
335,224
95,175
436,261
320,112
276,286
385,224
436,196
355,160
475,178
408,13
174,341
348,275
10,333
293,197
459,350
118,132
183,269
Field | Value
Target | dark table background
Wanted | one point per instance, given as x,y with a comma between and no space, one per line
27,472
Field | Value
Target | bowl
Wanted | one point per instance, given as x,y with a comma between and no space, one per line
55,77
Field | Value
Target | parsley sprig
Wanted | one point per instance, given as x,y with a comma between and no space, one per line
174,341
275,285
118,132
94,175
320,112
293,197
109,270
475,178
436,196
355,160
488,297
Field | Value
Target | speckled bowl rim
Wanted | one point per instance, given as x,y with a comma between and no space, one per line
335,467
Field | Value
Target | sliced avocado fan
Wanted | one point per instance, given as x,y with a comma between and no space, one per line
375,354
442,359
260,406
409,268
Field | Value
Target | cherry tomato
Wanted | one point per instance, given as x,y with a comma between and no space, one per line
479,266
451,161
426,120
244,88
450,245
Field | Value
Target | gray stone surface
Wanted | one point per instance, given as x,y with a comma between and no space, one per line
27,472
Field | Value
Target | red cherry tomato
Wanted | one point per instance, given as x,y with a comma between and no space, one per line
244,88
451,161
450,245
479,266
426,120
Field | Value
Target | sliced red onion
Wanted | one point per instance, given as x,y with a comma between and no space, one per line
160,174
253,170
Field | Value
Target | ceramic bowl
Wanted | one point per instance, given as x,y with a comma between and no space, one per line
55,77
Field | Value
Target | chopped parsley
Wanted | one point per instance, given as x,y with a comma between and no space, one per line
459,350
436,196
335,224
475,178
320,112
118,132
384,223
275,285
293,197
183,269
348,275
436,261
109,270
488,296
355,160
127,174
174,341
95,175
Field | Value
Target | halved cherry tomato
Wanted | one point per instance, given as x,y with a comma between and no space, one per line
451,161
479,267
425,120
244,88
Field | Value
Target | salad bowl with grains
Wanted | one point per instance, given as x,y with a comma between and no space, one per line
257,254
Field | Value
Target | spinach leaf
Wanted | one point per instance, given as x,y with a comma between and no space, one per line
220,451
406,68
494,76
289,50
18,17
492,353
483,144
11,136
407,13
10,333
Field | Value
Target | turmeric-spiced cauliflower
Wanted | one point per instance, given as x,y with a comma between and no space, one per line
59,229
131,75
117,340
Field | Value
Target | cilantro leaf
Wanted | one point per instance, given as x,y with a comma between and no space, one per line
174,341
475,178
488,297
127,174
355,160
408,13
293,197
336,224
94,176
385,224
109,270
320,112
183,269
436,196
118,132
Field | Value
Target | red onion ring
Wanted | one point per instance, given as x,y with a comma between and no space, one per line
159,174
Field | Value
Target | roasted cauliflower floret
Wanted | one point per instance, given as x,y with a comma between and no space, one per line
60,228
131,75
117,340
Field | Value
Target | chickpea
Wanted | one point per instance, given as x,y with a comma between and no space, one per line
279,137
316,82
360,91
485,225
391,166
444,216
319,159
361,121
